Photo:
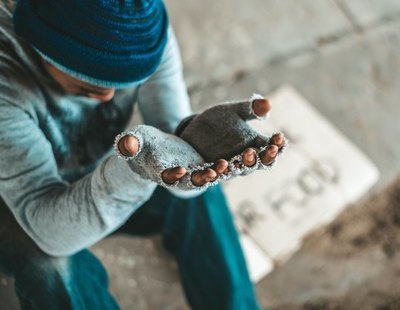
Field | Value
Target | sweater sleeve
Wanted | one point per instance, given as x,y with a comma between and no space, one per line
163,100
61,218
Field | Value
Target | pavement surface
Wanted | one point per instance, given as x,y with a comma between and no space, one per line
343,56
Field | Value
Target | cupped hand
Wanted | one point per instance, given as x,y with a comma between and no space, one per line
222,132
160,156
212,146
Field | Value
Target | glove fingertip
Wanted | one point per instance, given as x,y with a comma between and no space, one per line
122,135
260,107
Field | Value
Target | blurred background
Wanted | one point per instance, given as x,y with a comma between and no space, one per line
343,56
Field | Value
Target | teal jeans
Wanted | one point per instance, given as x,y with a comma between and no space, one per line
198,232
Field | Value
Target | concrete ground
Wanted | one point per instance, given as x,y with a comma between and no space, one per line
344,57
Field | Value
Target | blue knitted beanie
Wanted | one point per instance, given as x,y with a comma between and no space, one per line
108,43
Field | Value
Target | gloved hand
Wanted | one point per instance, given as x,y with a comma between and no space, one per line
212,146
222,132
165,159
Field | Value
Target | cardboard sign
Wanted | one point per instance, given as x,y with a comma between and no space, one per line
320,173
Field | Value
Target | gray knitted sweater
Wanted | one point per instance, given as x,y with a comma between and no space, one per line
57,174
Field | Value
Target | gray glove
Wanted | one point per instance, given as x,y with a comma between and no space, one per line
222,132
218,133
159,151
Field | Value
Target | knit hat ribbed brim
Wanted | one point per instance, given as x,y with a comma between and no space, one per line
106,43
